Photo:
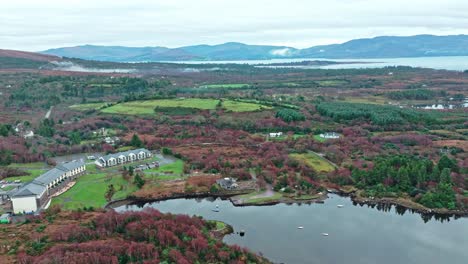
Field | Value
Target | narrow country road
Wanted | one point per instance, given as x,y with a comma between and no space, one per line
47,115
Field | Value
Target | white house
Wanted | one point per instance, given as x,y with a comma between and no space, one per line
330,135
274,135
34,195
123,157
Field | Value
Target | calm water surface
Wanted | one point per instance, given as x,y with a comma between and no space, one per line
357,234
455,63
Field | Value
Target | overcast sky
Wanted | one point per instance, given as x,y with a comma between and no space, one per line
41,24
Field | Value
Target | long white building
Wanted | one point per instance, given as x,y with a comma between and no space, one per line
123,157
36,194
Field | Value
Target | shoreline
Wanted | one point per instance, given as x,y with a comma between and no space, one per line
356,199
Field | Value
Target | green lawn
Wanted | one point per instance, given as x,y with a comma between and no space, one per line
316,162
366,100
176,168
250,197
147,107
319,139
90,106
90,189
226,86
236,106
33,165
331,82
27,178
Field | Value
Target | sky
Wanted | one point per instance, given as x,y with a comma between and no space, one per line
35,25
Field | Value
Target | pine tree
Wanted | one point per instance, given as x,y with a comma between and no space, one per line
136,141
445,177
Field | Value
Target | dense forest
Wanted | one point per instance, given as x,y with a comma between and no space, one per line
147,236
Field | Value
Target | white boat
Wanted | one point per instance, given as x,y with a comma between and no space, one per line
324,234
340,205
300,227
215,210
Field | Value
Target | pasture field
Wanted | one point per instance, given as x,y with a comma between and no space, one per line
148,107
236,106
226,86
90,190
330,83
34,173
90,106
314,161
319,139
175,168
366,100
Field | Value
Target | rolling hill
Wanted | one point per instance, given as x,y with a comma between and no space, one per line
378,47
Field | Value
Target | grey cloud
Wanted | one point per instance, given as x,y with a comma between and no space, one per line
37,25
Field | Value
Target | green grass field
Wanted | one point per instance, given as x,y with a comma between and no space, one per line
366,100
90,106
27,178
236,106
90,189
251,197
226,86
316,162
176,168
147,107
327,83
33,165
319,139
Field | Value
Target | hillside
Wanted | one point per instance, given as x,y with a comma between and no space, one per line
14,59
378,47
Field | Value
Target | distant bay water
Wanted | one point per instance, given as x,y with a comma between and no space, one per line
453,63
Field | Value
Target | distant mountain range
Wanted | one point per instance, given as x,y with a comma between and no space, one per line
378,47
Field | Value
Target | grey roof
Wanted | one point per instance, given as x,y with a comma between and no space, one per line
58,171
49,176
68,166
125,153
30,189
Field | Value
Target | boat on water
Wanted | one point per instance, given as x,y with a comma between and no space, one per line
215,210
340,206
300,227
324,234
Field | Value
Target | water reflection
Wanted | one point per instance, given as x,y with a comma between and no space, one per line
356,233
401,210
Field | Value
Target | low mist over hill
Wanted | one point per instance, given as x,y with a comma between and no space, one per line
379,47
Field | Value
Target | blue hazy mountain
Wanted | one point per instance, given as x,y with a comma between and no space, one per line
378,47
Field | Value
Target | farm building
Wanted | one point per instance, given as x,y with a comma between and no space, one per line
330,135
123,157
36,194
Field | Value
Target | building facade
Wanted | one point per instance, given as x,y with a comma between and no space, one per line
123,157
36,194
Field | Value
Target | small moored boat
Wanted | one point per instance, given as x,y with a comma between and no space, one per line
300,227
340,205
324,234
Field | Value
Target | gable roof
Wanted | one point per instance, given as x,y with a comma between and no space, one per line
68,166
125,153
30,189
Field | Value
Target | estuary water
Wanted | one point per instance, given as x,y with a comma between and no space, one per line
454,63
356,234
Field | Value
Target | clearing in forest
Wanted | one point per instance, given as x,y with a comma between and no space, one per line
148,107
314,161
